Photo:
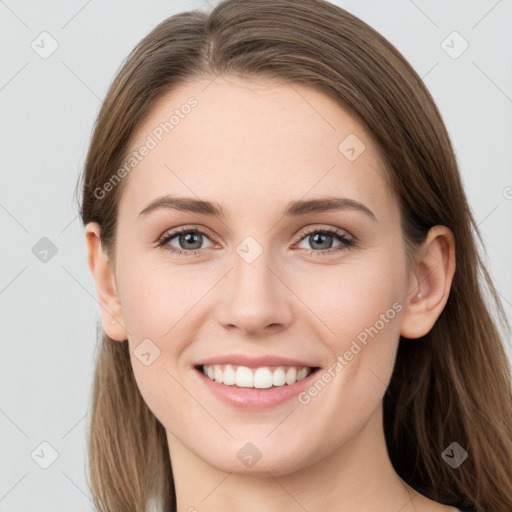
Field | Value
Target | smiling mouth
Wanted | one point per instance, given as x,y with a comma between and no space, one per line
263,377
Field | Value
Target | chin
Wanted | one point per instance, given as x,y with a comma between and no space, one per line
247,459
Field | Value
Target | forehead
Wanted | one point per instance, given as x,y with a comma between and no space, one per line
239,141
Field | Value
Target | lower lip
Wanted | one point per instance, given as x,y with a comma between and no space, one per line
253,398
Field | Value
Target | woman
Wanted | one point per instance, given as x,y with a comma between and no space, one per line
324,341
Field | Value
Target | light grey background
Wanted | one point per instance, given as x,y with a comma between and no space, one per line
48,106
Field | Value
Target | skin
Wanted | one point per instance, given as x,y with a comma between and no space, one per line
253,147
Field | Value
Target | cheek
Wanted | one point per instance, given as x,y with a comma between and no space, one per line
362,311
358,300
156,298
163,306
346,394
365,312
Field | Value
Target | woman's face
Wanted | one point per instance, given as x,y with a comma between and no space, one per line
263,285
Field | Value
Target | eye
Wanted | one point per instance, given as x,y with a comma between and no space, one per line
189,241
321,240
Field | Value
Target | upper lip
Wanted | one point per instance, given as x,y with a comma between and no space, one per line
255,362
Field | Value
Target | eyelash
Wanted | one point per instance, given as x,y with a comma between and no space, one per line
347,241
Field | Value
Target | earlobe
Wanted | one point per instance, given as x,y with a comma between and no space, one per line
103,274
430,283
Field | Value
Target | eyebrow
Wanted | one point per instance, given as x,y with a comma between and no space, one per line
294,208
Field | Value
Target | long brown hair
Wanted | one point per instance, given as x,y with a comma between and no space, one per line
454,384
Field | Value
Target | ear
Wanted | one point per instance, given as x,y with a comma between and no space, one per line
430,283
103,274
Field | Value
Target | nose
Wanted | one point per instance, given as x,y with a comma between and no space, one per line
256,297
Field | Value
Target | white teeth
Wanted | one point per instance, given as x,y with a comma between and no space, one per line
244,377
229,375
278,377
217,372
302,373
260,378
291,375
